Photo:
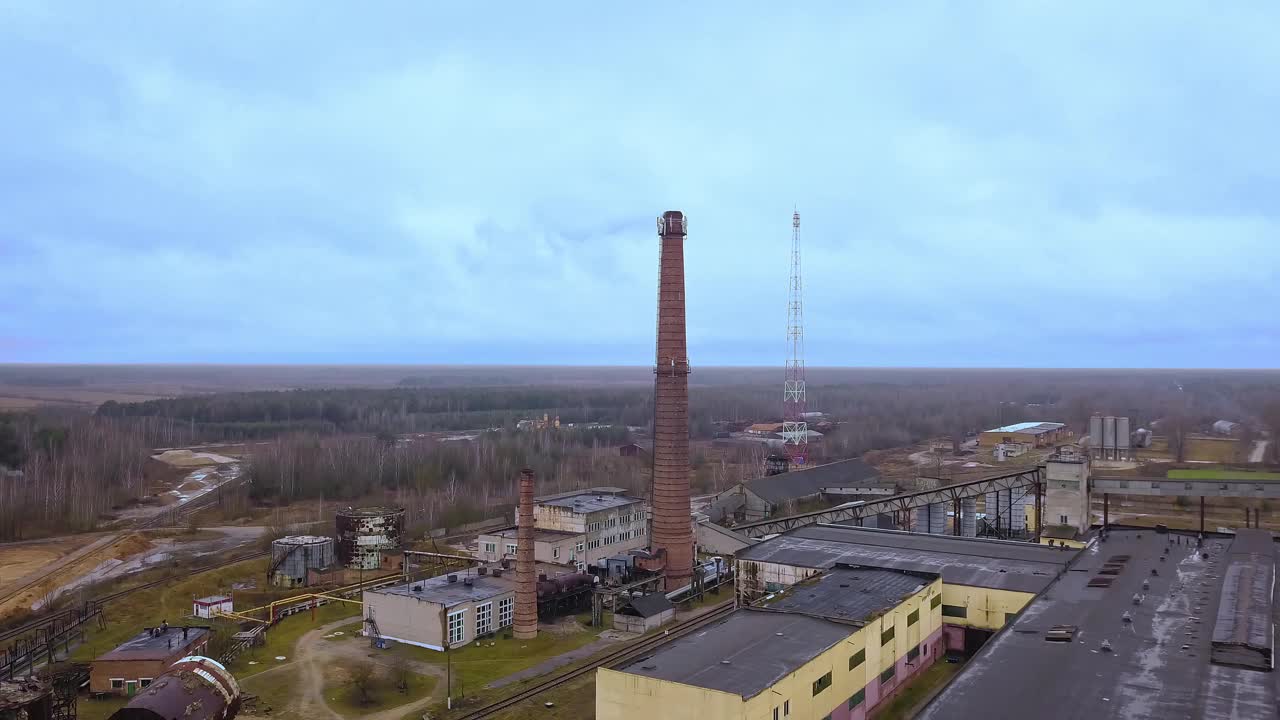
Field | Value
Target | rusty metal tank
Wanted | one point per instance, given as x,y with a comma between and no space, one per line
367,535
194,688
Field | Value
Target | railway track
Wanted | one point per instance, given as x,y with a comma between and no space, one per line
619,657
39,623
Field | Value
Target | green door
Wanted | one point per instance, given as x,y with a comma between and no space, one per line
131,687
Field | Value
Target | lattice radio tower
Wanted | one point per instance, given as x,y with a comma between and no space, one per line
795,430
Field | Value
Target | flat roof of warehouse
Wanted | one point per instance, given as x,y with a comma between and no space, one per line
158,646
998,564
1159,663
850,594
743,654
440,590
1031,428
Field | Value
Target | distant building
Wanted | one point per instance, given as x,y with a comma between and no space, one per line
131,667
764,429
644,613
549,546
1036,434
1226,428
450,610
633,450
766,496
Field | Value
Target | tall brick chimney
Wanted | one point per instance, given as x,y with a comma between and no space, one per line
526,620
672,535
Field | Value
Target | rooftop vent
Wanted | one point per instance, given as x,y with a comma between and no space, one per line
417,588
469,581
497,572
482,570
1101,582
1061,633
453,578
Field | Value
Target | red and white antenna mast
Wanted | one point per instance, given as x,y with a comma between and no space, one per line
795,429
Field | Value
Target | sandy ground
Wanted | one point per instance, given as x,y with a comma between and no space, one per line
18,560
186,458
72,566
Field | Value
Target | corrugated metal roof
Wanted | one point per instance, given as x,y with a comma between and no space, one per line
1030,428
810,481
743,654
158,646
999,564
850,594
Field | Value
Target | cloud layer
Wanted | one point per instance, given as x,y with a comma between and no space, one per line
999,185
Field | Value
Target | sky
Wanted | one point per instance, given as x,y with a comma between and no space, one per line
1089,184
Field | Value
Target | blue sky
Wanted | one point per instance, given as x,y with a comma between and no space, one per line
995,184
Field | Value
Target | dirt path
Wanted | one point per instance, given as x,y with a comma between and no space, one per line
311,702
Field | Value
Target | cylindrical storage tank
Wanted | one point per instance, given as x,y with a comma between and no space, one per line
1122,435
969,516
991,506
921,523
1108,436
293,556
1095,431
938,519
365,535
1006,509
192,687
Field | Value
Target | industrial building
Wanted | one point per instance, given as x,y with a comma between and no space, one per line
549,546
370,538
131,666
1109,438
984,582
1035,434
643,613
207,607
773,494
579,528
837,646
450,610
1147,626
26,699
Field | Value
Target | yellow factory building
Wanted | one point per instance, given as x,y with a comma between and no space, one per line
835,646
985,583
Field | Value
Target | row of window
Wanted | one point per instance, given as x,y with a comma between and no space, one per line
457,620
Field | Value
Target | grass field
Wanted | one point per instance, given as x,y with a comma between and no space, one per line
571,701
282,637
1222,475
478,664
904,703
339,694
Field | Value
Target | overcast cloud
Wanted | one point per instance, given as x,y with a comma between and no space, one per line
1089,184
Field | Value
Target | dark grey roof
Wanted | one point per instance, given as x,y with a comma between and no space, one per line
649,605
440,590
761,648
1159,665
1000,564
145,646
811,481
850,594
1242,631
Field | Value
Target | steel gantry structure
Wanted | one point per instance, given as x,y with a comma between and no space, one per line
951,495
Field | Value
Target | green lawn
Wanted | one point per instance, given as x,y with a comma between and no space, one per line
385,696
282,636
87,709
572,701
1222,475
477,664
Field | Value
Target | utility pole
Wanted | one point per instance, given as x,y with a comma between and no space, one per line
795,428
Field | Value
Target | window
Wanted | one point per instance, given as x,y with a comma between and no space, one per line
786,708
857,659
117,683
887,675
1010,617
955,611
511,548
887,635
936,601
775,713
457,627
491,547
582,546
913,617
1062,520
506,609
144,682
913,653
857,698
822,683
555,553
484,619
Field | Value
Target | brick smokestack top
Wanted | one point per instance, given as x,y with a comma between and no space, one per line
526,620
672,528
